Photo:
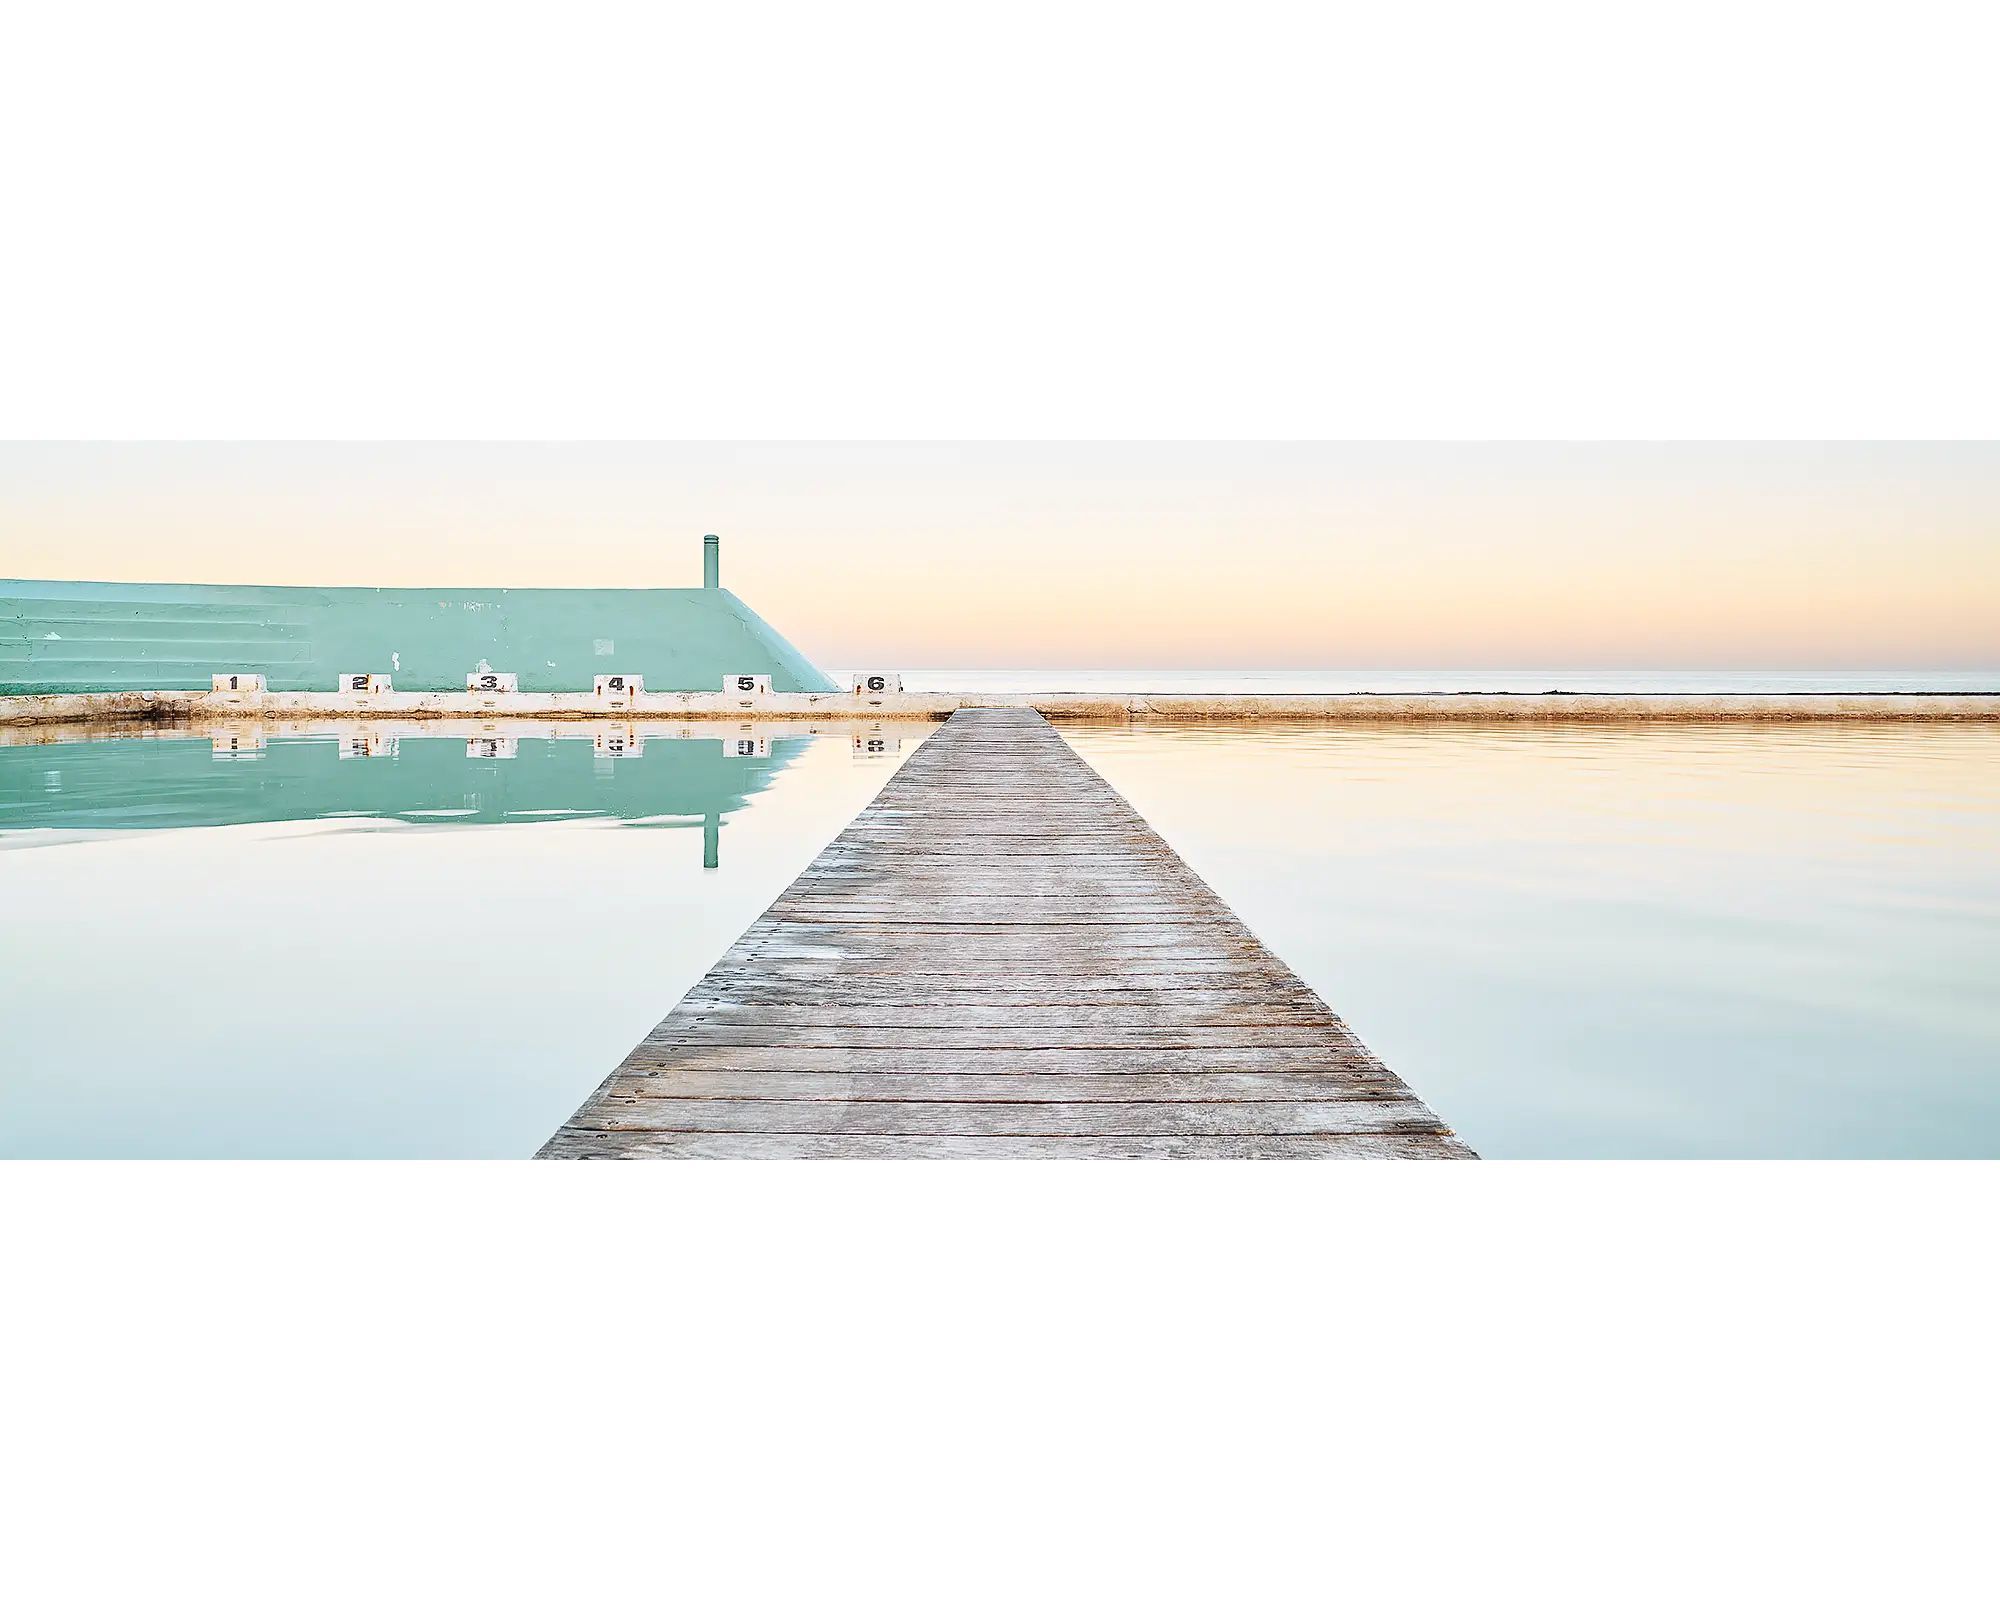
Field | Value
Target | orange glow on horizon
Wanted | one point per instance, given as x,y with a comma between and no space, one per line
1106,555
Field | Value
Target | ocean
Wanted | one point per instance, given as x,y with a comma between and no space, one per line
1438,680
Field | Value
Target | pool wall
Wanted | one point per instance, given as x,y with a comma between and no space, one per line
95,638
834,706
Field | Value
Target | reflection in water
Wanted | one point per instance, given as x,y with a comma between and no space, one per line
666,775
311,941
1630,941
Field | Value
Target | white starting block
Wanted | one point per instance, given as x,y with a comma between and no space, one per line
878,683
235,746
492,747
355,745
875,744
238,683
751,683
741,744
363,683
618,688
493,682
618,742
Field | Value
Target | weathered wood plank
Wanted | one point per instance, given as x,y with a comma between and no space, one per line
1000,959
1050,1058
720,1081
1036,1010
1049,1033
578,1144
653,1114
750,986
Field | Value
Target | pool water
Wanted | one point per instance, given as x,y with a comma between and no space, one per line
432,940
1657,940
291,946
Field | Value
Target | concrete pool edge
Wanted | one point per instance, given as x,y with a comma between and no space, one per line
1561,706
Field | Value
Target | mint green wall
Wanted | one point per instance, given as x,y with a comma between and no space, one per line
74,638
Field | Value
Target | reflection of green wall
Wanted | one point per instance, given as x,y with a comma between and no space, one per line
178,782
109,636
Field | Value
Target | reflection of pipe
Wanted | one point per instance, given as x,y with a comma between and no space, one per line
711,561
711,839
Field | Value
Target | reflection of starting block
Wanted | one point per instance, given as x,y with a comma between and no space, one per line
619,742
875,743
878,683
618,688
492,682
224,746
363,683
492,747
752,683
238,683
743,744
366,744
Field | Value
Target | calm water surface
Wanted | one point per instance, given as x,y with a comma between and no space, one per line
1642,941
426,943
1646,941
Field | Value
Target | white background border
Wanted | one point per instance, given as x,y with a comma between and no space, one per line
1047,221
1632,1379
1717,219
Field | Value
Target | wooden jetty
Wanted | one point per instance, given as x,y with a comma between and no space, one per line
999,958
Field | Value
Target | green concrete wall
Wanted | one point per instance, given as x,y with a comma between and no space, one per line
80,638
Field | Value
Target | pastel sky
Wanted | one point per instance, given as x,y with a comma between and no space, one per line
1162,555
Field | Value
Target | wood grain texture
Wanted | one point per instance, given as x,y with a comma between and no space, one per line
1000,959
